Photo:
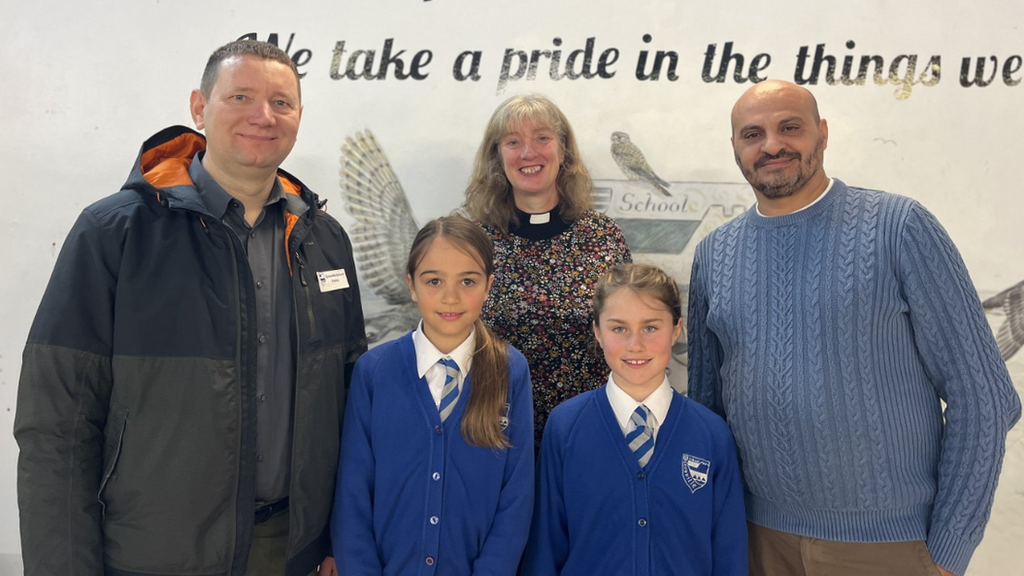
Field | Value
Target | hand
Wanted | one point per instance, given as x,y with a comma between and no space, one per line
329,568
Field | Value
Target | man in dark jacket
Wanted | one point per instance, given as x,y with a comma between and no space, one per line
182,388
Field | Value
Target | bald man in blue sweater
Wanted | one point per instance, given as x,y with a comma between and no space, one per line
828,324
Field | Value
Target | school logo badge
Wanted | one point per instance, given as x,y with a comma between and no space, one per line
695,472
503,419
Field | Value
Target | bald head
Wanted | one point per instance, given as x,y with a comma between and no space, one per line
779,140
775,92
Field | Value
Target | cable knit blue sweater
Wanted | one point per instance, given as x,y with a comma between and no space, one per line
827,339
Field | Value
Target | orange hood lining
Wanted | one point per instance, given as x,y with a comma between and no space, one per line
167,164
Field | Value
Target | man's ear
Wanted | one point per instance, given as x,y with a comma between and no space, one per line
197,106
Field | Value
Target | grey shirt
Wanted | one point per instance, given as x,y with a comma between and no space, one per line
275,356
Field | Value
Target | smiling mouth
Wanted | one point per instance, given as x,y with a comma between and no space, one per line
530,169
636,363
775,161
450,316
257,138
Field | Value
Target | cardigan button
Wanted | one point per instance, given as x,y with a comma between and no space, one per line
438,429
429,560
641,522
434,520
640,476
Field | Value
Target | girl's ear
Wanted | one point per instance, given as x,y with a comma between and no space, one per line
490,282
412,290
677,330
597,334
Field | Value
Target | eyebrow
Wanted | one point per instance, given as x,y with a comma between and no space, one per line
785,120
440,273
643,321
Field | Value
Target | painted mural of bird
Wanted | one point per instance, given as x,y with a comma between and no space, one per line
384,231
633,164
1009,303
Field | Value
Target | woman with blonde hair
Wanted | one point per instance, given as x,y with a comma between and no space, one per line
531,193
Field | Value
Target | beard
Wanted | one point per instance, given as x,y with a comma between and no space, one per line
780,184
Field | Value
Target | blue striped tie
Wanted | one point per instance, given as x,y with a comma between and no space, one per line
450,391
641,440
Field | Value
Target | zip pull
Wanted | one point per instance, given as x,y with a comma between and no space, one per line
302,267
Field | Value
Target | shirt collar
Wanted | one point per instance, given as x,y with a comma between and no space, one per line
427,354
216,199
623,404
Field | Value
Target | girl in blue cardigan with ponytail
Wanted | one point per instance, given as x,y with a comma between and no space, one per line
436,475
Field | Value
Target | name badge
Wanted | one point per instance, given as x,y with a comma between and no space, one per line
332,280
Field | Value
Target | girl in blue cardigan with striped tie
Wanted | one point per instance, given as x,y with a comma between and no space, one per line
635,478
436,468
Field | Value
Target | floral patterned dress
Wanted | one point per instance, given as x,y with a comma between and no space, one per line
540,303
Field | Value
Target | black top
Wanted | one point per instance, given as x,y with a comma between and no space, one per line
539,226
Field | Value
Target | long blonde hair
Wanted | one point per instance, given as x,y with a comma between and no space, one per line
489,193
481,423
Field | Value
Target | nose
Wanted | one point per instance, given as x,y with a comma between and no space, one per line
633,341
773,143
449,294
262,114
527,150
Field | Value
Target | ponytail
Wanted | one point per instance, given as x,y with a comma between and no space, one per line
488,396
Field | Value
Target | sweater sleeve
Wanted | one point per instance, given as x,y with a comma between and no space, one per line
352,534
503,546
62,407
548,548
704,364
729,524
960,357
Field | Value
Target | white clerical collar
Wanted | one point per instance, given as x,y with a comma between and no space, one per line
427,354
816,200
543,218
623,404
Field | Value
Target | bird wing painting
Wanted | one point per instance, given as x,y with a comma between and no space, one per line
384,230
1009,303
633,163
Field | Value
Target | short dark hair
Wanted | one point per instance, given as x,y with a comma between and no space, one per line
256,48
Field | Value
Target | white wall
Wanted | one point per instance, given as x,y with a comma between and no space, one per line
82,84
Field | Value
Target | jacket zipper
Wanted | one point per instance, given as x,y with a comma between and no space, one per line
113,462
309,296
243,526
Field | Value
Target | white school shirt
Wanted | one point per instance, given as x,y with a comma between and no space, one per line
816,200
427,356
623,405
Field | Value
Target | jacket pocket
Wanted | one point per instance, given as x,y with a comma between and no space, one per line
117,423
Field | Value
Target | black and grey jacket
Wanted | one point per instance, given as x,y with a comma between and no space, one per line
136,404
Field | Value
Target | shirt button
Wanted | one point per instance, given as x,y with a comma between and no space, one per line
259,458
438,429
436,476
263,397
252,234
433,520
429,560
641,522
640,476
262,338
259,283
